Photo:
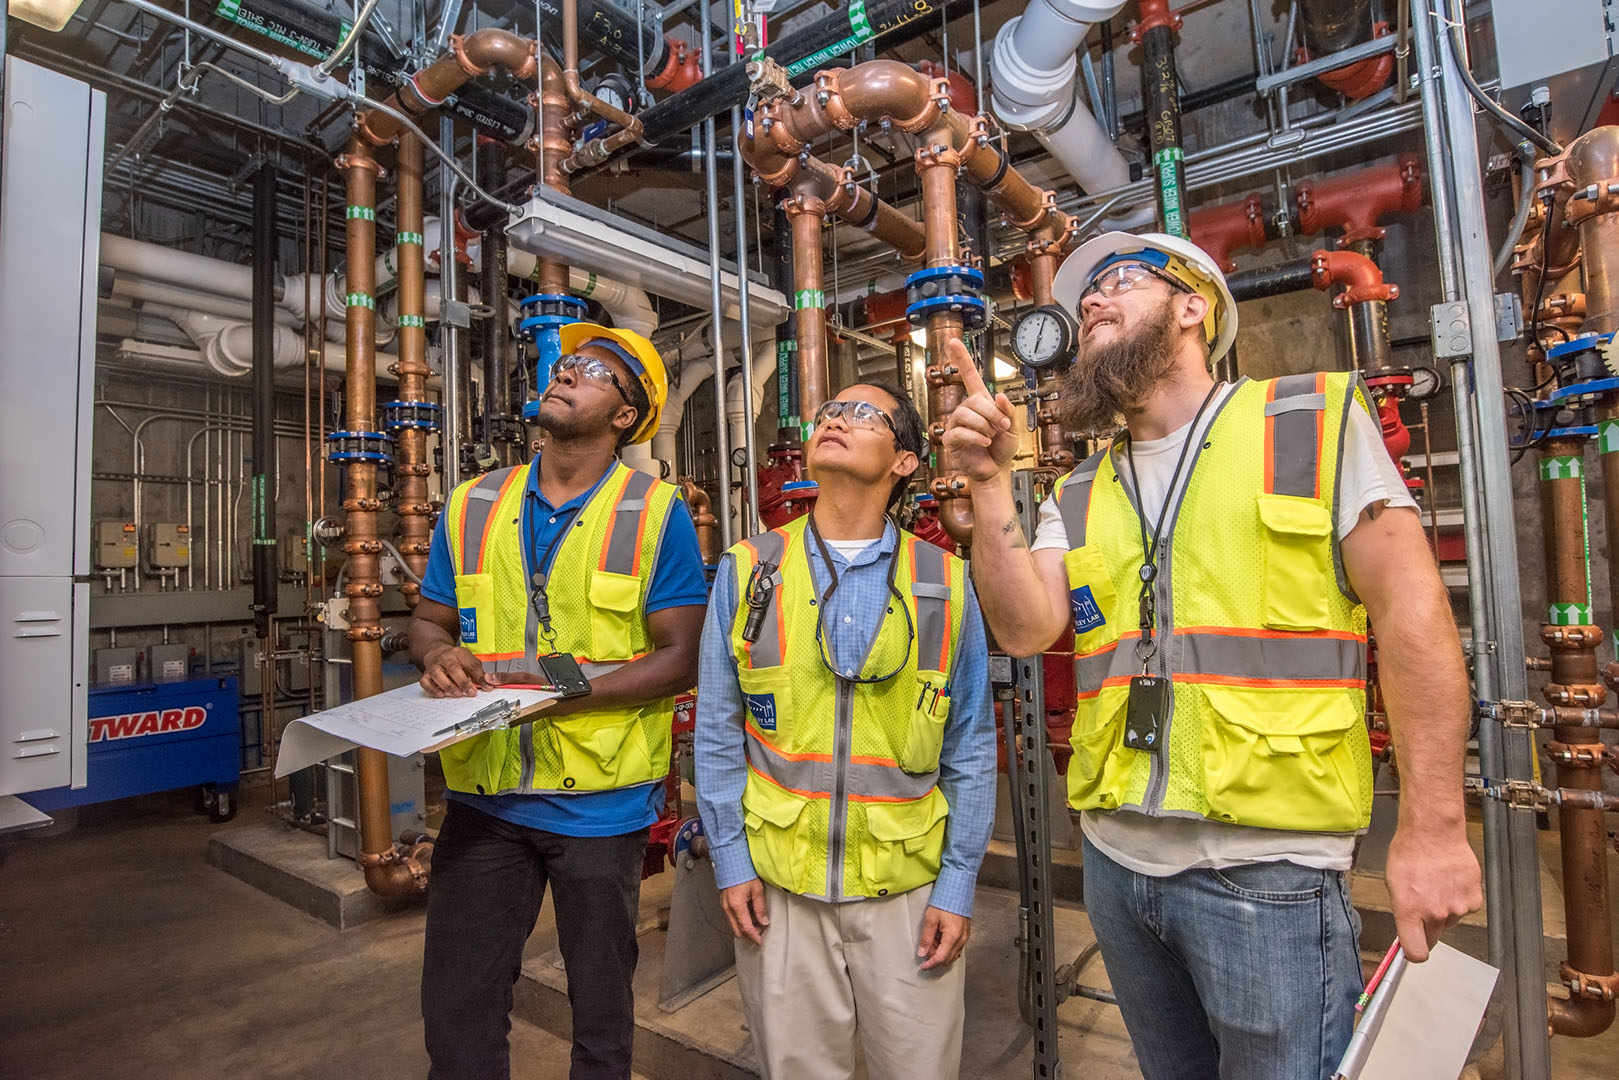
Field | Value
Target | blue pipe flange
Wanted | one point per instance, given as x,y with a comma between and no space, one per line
548,311
947,288
416,415
688,830
1584,432
1564,350
355,447
1590,387
531,411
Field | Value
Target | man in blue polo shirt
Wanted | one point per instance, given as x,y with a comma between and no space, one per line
572,554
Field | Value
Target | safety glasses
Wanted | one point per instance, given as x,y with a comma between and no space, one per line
861,414
589,367
1124,276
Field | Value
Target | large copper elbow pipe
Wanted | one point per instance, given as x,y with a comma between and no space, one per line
469,57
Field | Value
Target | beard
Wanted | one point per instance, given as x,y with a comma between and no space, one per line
1107,380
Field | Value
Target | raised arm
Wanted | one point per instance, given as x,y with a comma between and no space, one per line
1024,594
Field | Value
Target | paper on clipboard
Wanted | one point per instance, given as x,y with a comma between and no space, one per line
400,722
1431,1019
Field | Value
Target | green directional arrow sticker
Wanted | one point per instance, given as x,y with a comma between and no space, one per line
1561,468
1569,614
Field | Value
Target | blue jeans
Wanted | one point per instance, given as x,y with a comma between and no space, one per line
1246,973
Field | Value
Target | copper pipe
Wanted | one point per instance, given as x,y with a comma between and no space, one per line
383,873
1593,171
468,57
805,212
555,141
702,517
413,507
1574,682
889,90
937,166
581,98
1054,450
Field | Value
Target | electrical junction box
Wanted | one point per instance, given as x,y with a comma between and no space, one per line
117,667
294,554
116,546
169,663
168,545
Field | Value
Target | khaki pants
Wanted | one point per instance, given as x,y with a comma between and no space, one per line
822,965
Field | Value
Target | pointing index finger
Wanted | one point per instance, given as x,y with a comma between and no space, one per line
971,377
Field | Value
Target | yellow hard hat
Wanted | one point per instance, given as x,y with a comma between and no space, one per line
638,355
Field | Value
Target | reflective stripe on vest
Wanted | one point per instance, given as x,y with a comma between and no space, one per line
842,796
1266,725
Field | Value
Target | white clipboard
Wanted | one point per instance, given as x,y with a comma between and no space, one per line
403,722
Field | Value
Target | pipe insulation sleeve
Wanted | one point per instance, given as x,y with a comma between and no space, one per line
1034,67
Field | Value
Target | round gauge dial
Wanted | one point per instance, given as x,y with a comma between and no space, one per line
1045,337
1425,383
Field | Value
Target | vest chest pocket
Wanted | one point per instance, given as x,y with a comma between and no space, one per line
1099,772
1296,540
902,844
474,765
1092,600
615,600
780,841
595,751
475,604
1285,759
924,737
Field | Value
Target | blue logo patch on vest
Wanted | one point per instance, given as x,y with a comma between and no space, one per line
762,707
1087,616
469,625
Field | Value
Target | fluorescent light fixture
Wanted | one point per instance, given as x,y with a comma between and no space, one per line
563,228
49,15
919,337
1004,369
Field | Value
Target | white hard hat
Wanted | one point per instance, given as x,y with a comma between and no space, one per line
1182,259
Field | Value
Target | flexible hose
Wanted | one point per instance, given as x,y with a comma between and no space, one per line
1526,185
1457,20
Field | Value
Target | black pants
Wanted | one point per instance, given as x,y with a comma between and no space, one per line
489,878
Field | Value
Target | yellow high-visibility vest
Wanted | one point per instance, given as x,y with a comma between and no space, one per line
842,795
1257,628
597,592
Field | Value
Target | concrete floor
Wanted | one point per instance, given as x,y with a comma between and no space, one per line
123,954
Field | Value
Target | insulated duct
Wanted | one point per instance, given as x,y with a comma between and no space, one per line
1035,88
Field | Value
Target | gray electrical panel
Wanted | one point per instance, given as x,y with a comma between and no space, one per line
50,232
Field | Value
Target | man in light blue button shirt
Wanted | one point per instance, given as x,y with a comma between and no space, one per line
809,960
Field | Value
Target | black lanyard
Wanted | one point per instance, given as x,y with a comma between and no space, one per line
820,610
542,564
1147,647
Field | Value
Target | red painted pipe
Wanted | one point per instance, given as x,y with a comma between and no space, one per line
1360,276
1228,227
1356,201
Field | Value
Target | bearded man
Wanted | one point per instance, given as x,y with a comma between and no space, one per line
1217,566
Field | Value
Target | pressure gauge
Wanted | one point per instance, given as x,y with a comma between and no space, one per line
1425,383
1045,337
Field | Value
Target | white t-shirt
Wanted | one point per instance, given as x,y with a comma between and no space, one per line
851,549
1161,846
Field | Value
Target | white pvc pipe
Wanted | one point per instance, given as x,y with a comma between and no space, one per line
1034,67
177,267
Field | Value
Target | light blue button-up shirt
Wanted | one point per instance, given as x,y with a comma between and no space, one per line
966,761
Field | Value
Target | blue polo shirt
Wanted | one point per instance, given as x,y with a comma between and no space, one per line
677,581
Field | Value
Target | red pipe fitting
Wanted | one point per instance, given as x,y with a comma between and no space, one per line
963,98
1356,201
1360,276
1154,13
1227,227
681,71
1361,79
